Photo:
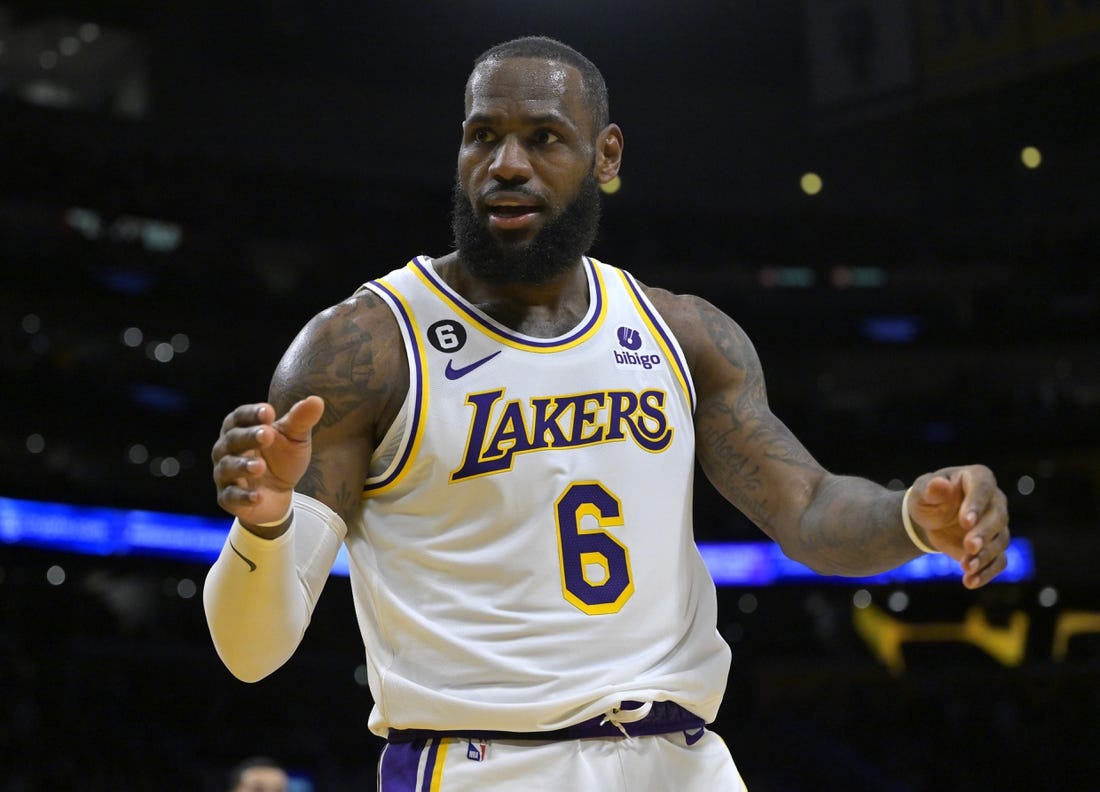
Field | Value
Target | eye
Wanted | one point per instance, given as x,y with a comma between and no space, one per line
544,137
483,135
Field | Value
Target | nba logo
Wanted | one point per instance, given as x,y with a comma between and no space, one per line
476,751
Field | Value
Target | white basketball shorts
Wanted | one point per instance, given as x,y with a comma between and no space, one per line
673,762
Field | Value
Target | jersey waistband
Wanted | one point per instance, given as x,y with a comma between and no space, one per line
663,717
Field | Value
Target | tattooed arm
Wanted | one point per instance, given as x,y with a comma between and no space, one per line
838,525
352,356
333,396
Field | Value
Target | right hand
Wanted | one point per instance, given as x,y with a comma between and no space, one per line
258,459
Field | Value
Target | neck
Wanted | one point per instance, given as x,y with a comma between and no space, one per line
544,310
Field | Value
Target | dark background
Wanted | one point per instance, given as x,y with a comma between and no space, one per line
223,173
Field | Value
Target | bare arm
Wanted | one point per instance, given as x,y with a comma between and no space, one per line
332,398
354,359
839,525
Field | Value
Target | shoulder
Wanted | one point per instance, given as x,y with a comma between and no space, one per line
361,325
681,311
711,339
351,355
364,312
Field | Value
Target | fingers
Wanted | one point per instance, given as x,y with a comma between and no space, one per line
245,429
238,467
978,487
249,415
238,454
235,476
983,514
980,509
986,544
243,436
967,492
991,522
234,498
982,567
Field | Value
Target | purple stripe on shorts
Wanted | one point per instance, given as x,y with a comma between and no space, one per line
429,766
398,765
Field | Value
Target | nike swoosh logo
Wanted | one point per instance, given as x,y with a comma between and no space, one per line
246,559
453,373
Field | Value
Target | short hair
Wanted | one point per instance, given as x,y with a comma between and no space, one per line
595,89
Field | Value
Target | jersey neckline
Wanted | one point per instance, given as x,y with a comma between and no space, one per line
422,266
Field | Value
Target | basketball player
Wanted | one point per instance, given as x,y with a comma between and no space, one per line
504,439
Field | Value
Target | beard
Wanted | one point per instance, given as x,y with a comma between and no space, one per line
556,248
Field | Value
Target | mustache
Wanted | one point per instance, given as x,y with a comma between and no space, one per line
511,189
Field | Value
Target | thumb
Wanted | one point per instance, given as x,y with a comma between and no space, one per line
939,491
300,419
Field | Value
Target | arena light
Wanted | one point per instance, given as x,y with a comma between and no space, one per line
1031,157
891,329
811,183
121,532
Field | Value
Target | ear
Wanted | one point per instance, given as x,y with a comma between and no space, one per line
609,153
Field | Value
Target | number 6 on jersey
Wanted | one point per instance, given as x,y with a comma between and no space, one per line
595,567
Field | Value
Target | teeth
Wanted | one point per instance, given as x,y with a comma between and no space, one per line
510,209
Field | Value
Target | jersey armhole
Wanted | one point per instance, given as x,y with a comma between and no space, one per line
398,446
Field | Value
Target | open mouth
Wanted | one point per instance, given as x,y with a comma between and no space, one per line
512,214
511,210
505,205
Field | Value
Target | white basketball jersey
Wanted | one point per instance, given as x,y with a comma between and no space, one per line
525,560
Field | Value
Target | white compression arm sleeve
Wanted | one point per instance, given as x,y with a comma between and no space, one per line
260,593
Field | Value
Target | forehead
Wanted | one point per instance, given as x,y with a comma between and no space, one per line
525,86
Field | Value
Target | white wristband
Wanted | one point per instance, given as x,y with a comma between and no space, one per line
281,520
909,529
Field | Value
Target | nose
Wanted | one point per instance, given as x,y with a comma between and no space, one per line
510,162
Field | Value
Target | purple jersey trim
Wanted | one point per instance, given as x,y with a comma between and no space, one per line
418,376
420,263
659,326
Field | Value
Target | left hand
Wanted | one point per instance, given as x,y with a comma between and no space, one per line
961,512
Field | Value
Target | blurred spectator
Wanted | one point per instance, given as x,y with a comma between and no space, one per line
258,774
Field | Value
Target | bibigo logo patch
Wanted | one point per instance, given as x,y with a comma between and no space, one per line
631,341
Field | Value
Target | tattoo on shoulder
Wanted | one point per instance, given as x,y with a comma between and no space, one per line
733,344
349,357
339,361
